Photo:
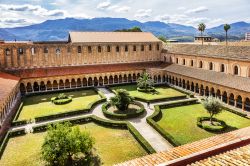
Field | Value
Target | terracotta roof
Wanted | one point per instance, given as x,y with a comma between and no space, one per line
7,83
220,51
87,69
239,156
111,37
188,149
231,81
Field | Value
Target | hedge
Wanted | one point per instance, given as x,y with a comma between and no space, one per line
69,113
152,89
58,101
107,123
242,114
111,115
5,139
187,92
157,115
16,122
211,128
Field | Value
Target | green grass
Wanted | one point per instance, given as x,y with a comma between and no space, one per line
41,105
162,92
180,122
112,145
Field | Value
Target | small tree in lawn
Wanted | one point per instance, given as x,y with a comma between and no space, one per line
121,100
213,107
145,81
64,143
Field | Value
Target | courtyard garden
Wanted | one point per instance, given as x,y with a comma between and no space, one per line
160,93
42,104
181,122
112,146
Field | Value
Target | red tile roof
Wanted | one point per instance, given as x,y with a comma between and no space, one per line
87,69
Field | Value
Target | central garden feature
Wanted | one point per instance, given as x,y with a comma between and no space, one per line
159,93
112,146
180,122
41,105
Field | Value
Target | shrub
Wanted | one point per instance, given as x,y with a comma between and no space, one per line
121,100
145,82
212,128
111,115
61,99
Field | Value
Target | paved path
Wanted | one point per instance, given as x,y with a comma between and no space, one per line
151,135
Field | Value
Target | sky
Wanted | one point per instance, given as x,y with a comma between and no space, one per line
15,13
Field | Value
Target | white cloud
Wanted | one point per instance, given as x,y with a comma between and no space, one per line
122,9
104,5
197,10
143,13
181,8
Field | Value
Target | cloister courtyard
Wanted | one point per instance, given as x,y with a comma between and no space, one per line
114,143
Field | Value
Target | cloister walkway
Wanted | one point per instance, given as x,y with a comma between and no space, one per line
151,135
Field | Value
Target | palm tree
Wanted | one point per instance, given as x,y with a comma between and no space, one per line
226,28
121,100
201,28
145,81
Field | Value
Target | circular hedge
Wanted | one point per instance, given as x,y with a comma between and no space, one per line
213,128
59,101
124,115
152,89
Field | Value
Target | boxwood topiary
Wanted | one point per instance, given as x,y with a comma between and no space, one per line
59,101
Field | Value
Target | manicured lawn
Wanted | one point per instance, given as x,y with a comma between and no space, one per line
162,92
41,105
112,145
180,122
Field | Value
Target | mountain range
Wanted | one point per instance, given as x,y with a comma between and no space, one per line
58,29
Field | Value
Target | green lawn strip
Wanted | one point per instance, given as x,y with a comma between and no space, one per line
40,105
163,92
181,122
112,145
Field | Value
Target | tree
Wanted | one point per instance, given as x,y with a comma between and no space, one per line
145,81
133,29
226,28
121,100
63,143
201,28
213,107
162,38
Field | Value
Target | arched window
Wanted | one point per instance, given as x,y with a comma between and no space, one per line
158,47
7,51
210,66
108,48
58,51
79,49
20,51
222,68
89,49
46,50
117,49
99,49
192,63
68,49
200,64
183,61
176,61
134,48
150,47
126,48
236,70
33,51
142,47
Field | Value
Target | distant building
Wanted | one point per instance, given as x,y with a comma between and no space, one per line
1,41
247,36
204,38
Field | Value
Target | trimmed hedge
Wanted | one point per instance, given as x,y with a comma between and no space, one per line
58,101
187,92
152,89
107,123
5,139
16,122
111,115
69,113
211,128
157,115
242,114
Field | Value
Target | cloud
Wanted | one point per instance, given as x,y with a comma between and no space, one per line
181,8
143,13
197,10
14,21
104,5
122,9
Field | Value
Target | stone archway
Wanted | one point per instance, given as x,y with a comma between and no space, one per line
55,85
100,81
36,87
90,81
231,99
78,82
22,88
84,82
224,97
96,83
247,104
73,83
239,102
42,86
61,84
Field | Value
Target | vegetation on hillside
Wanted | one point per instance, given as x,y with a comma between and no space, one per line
133,29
